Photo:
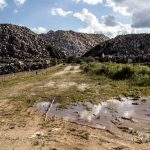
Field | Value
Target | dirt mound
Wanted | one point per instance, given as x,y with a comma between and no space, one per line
72,43
123,48
21,49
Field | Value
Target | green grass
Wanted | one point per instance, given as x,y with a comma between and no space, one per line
104,81
13,79
138,75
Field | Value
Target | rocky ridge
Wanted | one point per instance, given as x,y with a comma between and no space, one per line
132,48
22,50
72,43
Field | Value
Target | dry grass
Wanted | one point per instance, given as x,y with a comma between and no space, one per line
67,85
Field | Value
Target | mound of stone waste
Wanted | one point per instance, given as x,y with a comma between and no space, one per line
23,50
123,49
72,43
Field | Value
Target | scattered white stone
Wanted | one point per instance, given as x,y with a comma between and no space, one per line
37,134
56,129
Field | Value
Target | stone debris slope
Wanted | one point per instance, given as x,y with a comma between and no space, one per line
123,48
21,50
19,42
72,43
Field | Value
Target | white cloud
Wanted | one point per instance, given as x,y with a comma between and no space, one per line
94,26
141,30
127,6
19,2
92,2
39,30
139,11
60,12
118,6
87,17
108,26
3,4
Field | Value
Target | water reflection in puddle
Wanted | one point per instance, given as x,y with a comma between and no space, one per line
105,115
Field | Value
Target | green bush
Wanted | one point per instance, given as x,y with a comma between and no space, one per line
88,59
70,59
103,71
141,80
55,61
136,74
73,59
80,60
125,73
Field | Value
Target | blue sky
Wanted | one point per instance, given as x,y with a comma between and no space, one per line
111,17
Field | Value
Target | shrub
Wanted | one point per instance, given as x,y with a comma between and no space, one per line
137,75
55,61
70,59
125,73
73,59
103,71
141,80
89,59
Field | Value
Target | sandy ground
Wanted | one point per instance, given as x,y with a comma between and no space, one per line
33,132
28,130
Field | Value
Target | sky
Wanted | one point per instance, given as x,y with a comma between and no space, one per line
109,17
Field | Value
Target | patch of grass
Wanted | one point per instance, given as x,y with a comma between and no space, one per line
141,80
80,133
125,73
84,135
129,80
79,60
13,79
90,90
138,75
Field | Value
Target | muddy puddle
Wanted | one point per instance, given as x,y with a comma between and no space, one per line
124,114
